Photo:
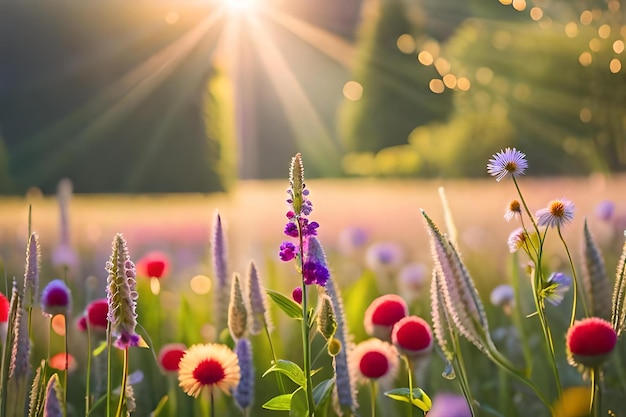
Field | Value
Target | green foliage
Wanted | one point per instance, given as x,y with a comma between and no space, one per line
396,97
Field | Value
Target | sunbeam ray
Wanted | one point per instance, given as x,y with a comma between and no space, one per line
332,45
311,136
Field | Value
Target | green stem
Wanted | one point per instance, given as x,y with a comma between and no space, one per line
594,406
120,404
279,379
88,376
409,369
373,395
546,334
574,282
518,321
465,387
530,216
108,395
212,400
306,346
67,368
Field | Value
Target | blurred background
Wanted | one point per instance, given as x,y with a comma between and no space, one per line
190,96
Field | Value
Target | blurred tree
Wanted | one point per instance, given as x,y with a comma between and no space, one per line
396,96
5,179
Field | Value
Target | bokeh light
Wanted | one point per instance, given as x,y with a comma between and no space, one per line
200,284
58,324
353,90
406,43
536,13
615,65
585,115
595,44
484,75
172,17
604,31
586,17
519,5
436,86
425,58
585,59
571,29
618,46
463,84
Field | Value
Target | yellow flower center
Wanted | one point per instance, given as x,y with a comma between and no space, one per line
557,209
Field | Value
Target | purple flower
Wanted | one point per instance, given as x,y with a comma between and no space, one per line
507,163
291,229
315,272
244,391
555,288
449,405
557,213
56,298
287,251
605,210
384,255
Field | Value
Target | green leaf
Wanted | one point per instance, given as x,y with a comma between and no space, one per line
420,399
290,307
322,394
299,405
101,348
290,369
160,406
280,402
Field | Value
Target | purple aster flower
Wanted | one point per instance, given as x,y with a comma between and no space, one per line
512,210
507,163
503,296
557,213
291,229
384,255
605,210
517,239
555,288
56,298
287,251
449,405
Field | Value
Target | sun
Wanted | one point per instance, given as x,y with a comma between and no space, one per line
242,5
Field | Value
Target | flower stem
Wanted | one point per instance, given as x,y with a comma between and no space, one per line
279,379
212,402
373,395
306,345
88,376
120,404
409,369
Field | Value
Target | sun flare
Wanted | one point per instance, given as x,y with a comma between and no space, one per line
242,5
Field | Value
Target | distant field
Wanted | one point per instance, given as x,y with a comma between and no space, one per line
254,215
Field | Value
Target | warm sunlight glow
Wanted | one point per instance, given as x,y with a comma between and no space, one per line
571,29
425,58
200,284
172,17
585,115
241,5
615,65
406,43
58,324
436,86
353,90
585,59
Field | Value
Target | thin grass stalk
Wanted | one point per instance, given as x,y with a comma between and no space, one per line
88,376
574,282
373,394
279,379
462,371
517,317
109,354
409,369
6,354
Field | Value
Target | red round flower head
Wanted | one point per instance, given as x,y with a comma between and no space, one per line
382,314
296,294
170,355
374,359
4,308
96,314
153,265
412,336
590,341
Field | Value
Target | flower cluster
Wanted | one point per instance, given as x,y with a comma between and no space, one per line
298,226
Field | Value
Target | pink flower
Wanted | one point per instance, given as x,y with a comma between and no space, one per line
153,265
4,308
96,316
382,314
170,355
449,405
412,336
590,341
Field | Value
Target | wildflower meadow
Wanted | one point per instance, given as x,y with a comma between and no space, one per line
300,304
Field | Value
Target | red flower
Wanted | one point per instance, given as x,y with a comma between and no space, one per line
374,359
383,313
412,336
96,314
153,265
296,294
170,355
590,341
4,308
